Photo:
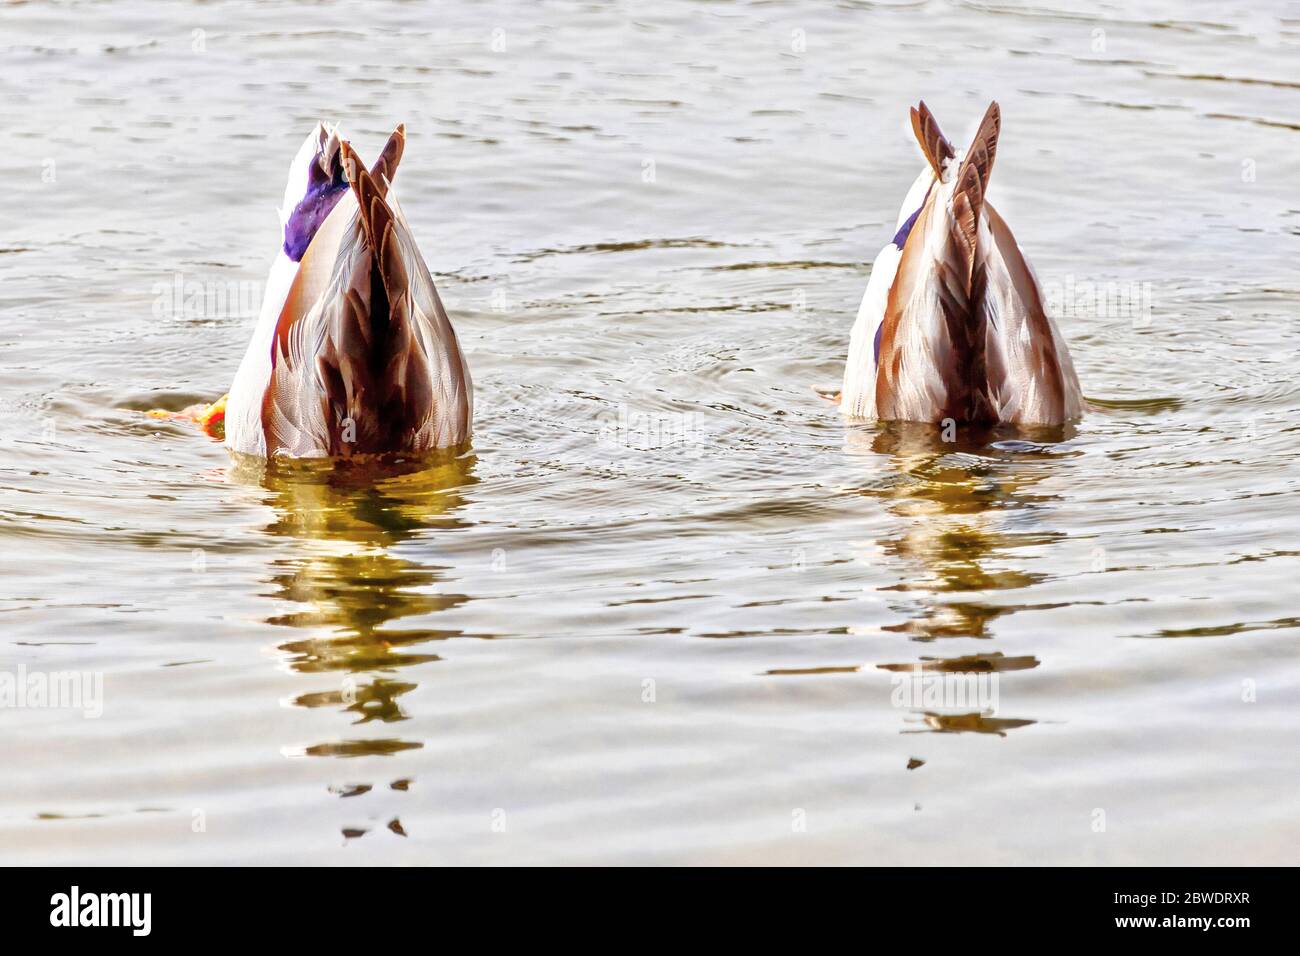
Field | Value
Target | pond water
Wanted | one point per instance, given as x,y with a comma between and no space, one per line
667,608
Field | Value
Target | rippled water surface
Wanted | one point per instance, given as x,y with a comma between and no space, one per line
660,612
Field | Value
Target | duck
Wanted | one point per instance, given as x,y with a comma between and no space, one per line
353,353
953,327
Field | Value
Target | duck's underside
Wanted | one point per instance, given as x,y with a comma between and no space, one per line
360,359
953,328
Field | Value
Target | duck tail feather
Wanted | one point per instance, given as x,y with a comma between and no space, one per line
378,222
938,151
971,186
385,167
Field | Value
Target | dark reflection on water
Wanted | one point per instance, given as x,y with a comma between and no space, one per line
352,584
970,663
947,495
951,492
970,724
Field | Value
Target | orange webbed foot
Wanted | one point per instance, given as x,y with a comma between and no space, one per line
211,418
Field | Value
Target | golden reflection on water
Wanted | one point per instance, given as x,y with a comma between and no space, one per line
973,723
350,582
952,499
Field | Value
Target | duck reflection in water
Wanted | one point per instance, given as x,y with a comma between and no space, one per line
351,579
965,506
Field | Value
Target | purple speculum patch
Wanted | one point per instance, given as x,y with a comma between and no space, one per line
323,193
905,230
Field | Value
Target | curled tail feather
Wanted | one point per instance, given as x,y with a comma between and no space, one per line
965,313
385,167
938,151
378,224
971,186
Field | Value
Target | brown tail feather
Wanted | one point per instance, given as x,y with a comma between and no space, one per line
972,184
367,362
377,222
934,144
385,166
963,301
